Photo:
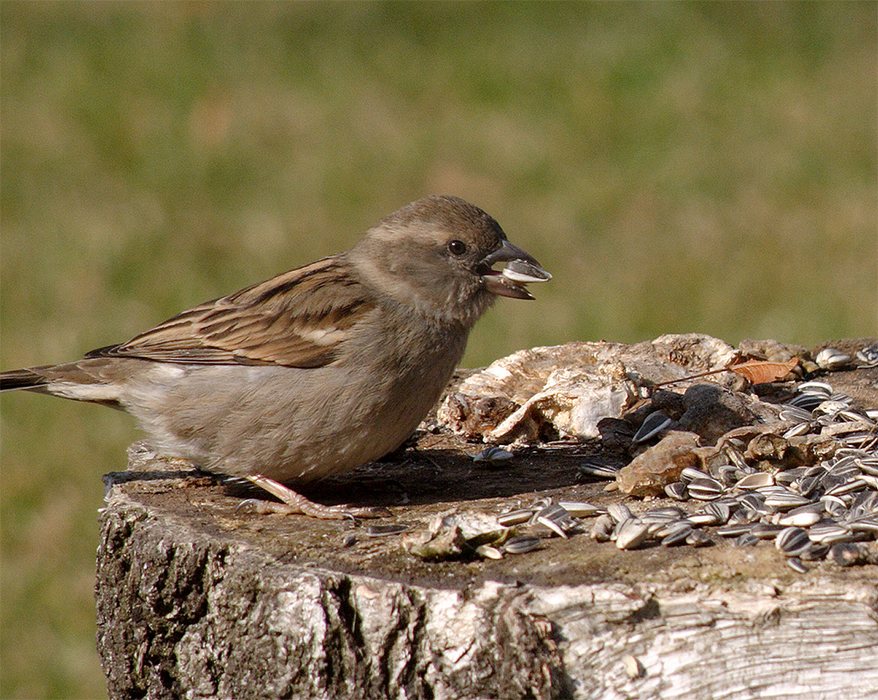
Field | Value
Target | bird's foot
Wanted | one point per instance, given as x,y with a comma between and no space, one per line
293,503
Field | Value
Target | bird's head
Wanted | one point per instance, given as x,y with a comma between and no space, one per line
438,255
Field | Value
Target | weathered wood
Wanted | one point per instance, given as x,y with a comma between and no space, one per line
199,598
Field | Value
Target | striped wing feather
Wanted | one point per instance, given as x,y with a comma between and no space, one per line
297,319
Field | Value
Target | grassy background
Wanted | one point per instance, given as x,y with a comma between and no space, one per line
678,167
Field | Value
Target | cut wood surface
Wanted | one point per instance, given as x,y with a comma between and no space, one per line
198,597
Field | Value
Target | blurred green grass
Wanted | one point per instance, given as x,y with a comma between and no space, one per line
678,166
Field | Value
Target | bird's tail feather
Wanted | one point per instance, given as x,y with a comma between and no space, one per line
27,379
80,381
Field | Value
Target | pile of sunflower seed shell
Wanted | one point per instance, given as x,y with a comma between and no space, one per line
827,510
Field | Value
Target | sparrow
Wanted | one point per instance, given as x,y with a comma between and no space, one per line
317,370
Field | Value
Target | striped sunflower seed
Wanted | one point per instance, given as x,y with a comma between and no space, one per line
868,356
600,471
765,531
785,500
488,551
805,512
663,514
655,423
868,524
619,512
677,490
748,539
792,541
581,509
521,544
631,534
832,358
797,430
794,414
705,489
689,474
733,530
711,514
815,388
829,533
557,519
797,565
674,533
515,517
805,402
755,481
698,538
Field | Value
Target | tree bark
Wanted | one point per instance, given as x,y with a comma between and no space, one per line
199,598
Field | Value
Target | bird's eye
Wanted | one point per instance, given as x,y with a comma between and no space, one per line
457,247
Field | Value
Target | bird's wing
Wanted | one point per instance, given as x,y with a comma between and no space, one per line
297,319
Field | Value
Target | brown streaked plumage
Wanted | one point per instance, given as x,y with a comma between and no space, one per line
296,319
316,370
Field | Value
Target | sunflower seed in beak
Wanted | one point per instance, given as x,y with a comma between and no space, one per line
526,272
521,268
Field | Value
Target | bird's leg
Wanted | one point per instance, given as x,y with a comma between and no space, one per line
293,503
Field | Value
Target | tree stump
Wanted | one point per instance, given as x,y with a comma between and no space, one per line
199,598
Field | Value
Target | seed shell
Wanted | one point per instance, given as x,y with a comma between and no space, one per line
797,565
493,455
677,490
705,489
619,512
515,517
689,474
632,534
698,538
655,423
792,541
805,516
581,509
831,358
679,532
755,481
600,471
521,544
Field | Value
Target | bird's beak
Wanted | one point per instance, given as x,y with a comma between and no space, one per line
511,280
